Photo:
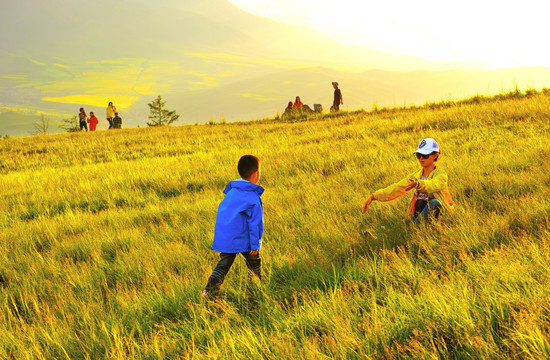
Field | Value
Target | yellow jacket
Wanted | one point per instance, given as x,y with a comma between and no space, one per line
435,186
111,112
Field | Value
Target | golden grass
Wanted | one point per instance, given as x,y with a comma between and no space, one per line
105,240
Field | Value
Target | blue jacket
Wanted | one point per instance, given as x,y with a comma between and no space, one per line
240,218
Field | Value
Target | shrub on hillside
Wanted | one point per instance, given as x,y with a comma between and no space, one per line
70,125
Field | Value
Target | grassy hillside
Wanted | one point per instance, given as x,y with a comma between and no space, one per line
105,240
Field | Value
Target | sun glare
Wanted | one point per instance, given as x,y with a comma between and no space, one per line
499,34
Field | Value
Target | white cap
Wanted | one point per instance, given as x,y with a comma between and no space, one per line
427,146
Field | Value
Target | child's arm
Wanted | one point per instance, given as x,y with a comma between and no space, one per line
255,227
391,192
435,184
395,190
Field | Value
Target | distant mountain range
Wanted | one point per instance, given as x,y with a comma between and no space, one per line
207,58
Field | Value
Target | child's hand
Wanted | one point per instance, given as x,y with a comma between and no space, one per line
411,185
254,253
367,203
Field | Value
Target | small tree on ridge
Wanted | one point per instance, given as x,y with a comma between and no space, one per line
158,115
41,126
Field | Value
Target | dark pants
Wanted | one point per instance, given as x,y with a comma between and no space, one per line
83,126
335,107
110,120
215,281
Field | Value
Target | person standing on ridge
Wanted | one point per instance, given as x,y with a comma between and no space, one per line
338,99
111,110
92,121
117,122
83,119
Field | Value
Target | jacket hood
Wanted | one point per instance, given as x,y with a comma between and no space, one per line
243,185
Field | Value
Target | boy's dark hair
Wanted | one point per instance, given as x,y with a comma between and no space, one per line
248,165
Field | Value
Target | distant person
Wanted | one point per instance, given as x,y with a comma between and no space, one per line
288,109
338,99
306,109
299,106
93,121
239,224
117,122
83,119
431,194
111,110
298,103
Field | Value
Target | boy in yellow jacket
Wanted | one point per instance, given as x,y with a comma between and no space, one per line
431,194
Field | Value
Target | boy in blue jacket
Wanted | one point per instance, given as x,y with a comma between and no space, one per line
239,224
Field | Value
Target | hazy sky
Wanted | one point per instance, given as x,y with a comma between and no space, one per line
503,33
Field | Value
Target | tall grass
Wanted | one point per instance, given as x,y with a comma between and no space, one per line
105,240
